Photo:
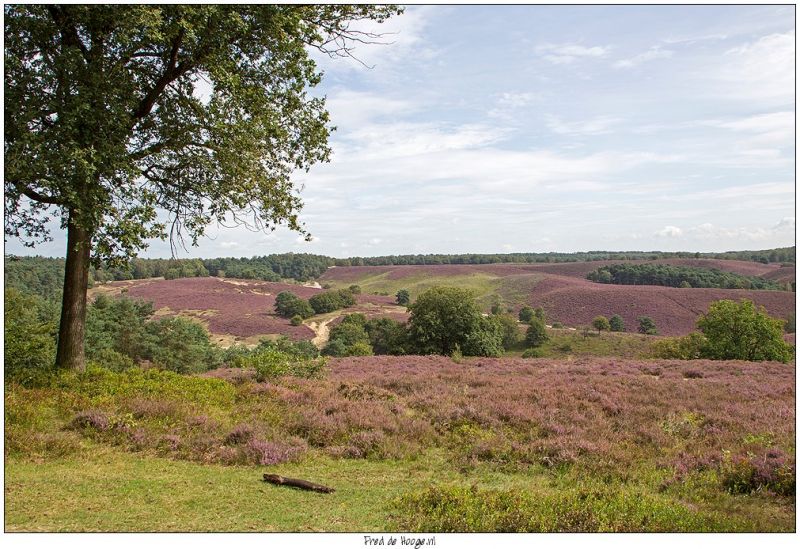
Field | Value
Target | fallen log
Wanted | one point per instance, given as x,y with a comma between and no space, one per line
297,483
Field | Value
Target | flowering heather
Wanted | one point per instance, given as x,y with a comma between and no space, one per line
92,419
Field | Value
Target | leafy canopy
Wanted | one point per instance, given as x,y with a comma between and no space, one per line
105,126
742,331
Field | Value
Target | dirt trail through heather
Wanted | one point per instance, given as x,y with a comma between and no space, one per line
322,331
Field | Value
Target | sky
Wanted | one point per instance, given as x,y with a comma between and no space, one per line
497,129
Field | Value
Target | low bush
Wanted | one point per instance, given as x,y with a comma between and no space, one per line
273,363
769,470
581,509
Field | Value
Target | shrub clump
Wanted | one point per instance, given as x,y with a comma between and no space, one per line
748,473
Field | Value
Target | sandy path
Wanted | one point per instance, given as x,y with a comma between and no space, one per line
322,331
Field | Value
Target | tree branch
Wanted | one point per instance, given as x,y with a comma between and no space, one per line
171,72
38,197
69,33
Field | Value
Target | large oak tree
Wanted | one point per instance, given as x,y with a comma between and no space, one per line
105,129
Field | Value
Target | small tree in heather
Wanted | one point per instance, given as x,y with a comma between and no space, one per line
538,312
536,334
526,314
289,305
740,331
403,297
616,323
647,326
601,323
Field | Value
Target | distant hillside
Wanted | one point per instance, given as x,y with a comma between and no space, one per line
44,276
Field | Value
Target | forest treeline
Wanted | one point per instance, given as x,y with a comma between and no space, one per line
681,277
43,276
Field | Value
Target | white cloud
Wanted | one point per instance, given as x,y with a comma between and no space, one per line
591,126
709,231
560,54
760,70
669,231
350,109
653,53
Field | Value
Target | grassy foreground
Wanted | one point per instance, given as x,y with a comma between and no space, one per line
410,444
107,490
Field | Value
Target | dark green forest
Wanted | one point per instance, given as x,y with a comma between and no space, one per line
680,277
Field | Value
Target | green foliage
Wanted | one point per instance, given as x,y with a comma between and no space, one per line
601,323
789,325
296,320
509,328
688,347
117,325
109,168
741,331
354,289
616,324
402,297
536,334
526,314
678,277
387,336
539,313
534,352
181,345
486,339
29,353
647,326
349,338
327,302
443,317
289,305
271,363
585,508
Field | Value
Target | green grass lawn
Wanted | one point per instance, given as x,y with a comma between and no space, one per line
104,489
109,490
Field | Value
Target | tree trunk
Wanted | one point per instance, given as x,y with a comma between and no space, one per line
70,352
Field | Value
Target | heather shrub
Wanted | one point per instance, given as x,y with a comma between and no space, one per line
789,326
557,325
296,320
91,419
771,470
